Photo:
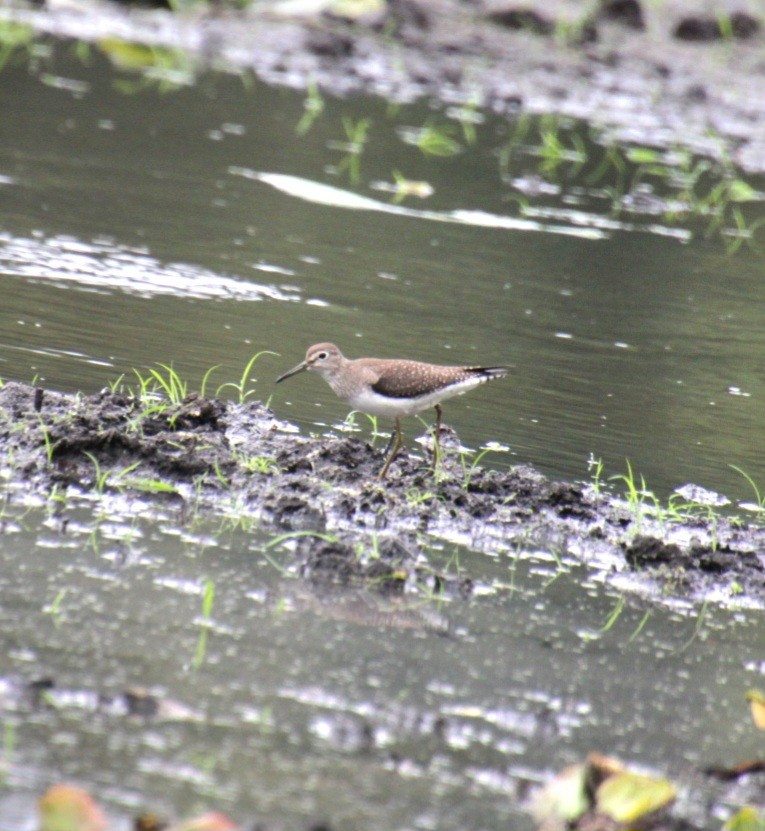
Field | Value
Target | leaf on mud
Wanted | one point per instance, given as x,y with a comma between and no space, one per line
562,800
618,794
642,155
746,819
127,54
69,808
149,485
627,796
211,821
756,699
740,191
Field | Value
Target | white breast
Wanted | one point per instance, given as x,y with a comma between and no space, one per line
372,403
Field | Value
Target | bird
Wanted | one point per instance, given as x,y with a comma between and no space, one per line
392,387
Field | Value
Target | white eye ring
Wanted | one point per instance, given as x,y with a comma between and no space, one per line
322,356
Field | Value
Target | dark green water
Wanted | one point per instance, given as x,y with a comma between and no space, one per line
126,240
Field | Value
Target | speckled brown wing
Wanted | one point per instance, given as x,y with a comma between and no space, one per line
409,379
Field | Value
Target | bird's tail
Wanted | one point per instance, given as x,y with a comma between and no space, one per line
489,372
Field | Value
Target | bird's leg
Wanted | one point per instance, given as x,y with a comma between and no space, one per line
389,444
436,435
396,442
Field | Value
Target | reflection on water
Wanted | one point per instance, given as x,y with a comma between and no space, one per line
102,265
320,194
305,705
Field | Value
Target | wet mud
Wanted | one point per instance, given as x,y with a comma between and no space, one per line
350,529
673,74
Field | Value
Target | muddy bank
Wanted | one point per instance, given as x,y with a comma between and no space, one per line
667,74
349,528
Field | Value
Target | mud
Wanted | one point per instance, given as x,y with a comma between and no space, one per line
669,74
349,528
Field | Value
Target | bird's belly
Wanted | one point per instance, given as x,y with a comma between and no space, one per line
383,406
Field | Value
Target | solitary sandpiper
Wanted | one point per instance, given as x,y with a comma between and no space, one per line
393,388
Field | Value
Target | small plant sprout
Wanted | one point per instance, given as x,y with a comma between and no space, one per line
9,746
54,608
432,139
260,464
637,495
639,628
468,471
613,616
117,384
220,476
313,107
697,629
205,379
468,116
57,501
243,393
554,152
147,392
100,477
94,537
612,158
416,497
373,423
356,135
373,552
205,622
238,516
725,25
402,188
13,37
174,387
595,469
759,500
144,484
158,385
50,445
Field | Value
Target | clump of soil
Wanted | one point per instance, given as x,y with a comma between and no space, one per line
355,529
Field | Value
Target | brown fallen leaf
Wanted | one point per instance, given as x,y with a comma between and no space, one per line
756,699
69,808
211,821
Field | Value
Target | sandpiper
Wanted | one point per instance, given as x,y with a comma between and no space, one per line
392,388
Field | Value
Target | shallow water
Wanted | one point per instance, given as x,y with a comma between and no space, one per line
136,228
301,705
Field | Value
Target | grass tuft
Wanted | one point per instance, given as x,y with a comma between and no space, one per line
243,393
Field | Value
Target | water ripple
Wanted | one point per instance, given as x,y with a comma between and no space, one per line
102,265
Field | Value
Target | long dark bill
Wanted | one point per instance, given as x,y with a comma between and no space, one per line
294,371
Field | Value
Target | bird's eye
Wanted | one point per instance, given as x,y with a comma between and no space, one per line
322,356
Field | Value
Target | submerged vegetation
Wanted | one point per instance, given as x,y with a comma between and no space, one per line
664,190
628,182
